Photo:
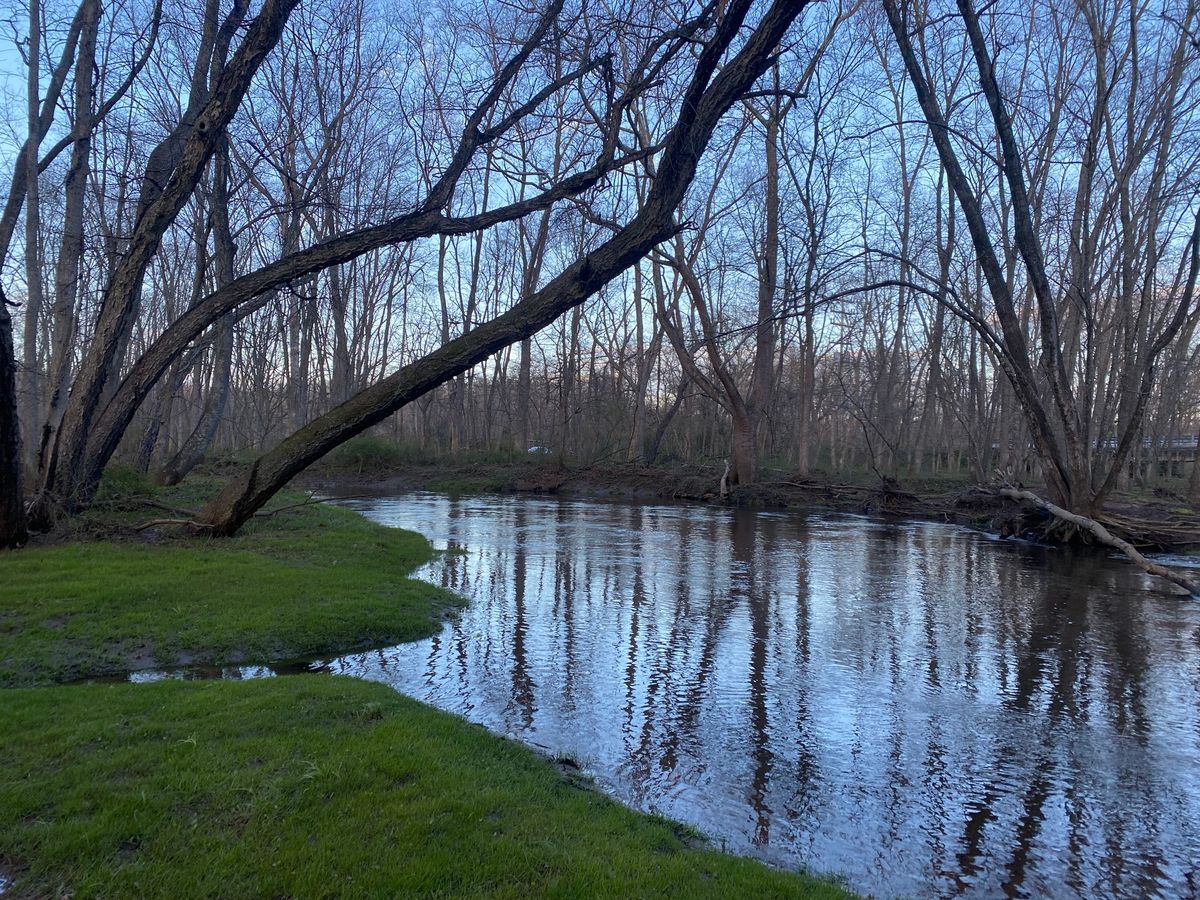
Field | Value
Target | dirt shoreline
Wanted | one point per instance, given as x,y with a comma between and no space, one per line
1161,521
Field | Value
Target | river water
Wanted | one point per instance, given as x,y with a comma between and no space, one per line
915,707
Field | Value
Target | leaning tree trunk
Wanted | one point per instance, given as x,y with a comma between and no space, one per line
72,480
202,435
1108,539
706,100
173,171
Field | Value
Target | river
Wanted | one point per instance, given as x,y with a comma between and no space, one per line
915,707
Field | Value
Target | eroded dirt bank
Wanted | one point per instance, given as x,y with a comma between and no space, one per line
1154,520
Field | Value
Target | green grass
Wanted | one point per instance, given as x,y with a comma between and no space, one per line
301,786
314,786
305,582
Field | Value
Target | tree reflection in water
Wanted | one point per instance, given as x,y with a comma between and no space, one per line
917,707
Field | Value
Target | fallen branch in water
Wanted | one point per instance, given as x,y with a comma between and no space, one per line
1104,536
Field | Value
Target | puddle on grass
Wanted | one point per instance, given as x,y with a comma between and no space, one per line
212,673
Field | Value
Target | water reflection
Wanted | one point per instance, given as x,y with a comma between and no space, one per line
917,707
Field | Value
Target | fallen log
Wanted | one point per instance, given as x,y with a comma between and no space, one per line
1104,536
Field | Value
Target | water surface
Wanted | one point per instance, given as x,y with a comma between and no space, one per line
916,707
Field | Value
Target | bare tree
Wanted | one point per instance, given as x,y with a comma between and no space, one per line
705,101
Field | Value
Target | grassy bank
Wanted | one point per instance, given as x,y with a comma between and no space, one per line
314,786
307,581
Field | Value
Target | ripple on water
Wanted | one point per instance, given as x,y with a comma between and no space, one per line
916,707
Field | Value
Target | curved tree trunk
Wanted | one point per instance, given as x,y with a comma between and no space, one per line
202,435
92,433
173,171
708,98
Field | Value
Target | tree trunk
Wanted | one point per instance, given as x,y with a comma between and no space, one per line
758,401
34,289
523,392
661,431
744,450
70,254
707,98
12,493
68,477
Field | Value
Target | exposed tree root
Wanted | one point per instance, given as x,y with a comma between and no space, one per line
1104,536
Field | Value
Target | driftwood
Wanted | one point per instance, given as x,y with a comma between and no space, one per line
1170,531
1104,536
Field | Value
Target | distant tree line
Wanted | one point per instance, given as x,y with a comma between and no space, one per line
889,235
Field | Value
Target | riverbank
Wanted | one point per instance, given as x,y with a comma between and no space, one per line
315,786
1151,520
302,581
304,785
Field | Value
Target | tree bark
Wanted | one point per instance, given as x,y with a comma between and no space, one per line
12,490
70,254
34,288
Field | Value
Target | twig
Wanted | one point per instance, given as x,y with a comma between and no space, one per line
144,501
311,500
154,523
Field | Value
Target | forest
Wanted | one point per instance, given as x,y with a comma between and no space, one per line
866,331
919,239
